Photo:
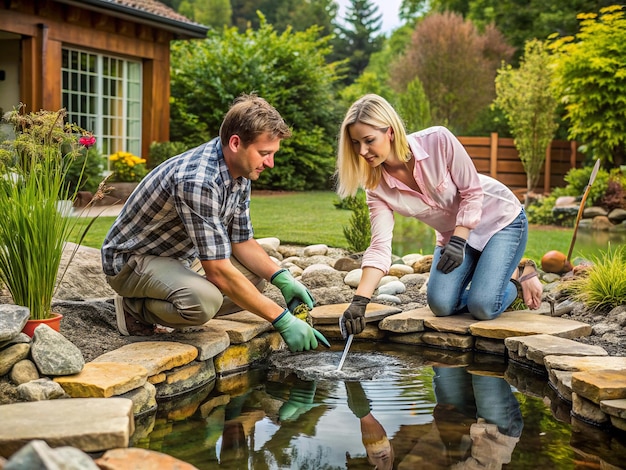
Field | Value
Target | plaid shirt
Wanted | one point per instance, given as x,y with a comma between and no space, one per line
188,207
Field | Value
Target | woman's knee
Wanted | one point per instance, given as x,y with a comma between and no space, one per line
484,311
439,304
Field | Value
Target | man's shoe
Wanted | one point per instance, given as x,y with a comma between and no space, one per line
127,324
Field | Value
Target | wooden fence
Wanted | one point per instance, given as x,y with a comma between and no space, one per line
498,158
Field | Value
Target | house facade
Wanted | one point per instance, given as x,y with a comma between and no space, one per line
105,61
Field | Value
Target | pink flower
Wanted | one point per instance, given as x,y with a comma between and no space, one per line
87,140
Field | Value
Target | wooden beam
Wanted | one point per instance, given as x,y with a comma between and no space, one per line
493,155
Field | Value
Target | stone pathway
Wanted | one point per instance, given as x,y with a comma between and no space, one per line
117,388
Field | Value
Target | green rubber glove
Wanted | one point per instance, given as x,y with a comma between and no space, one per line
357,400
298,334
300,401
291,289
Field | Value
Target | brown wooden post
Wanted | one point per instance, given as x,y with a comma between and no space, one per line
493,155
547,169
572,154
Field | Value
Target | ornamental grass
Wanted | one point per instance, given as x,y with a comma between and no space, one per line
33,231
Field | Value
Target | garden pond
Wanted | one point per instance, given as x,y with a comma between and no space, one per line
390,406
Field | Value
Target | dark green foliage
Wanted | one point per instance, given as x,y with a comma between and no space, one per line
350,202
359,38
288,70
358,233
589,72
282,14
161,151
577,180
85,175
520,21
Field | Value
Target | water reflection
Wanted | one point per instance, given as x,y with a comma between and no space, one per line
477,418
374,437
419,411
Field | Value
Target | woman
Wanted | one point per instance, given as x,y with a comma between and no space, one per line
480,224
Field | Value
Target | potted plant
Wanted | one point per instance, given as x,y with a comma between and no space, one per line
33,232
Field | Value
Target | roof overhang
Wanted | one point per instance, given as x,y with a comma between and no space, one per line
180,28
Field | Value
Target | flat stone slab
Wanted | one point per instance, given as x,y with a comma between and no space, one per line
329,314
208,341
89,424
240,327
140,459
448,340
155,356
522,323
614,407
599,385
453,324
562,382
411,321
536,347
103,380
577,363
241,356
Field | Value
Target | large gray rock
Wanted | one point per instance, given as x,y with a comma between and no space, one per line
84,278
54,354
12,320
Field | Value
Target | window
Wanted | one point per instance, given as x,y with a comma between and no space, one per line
103,94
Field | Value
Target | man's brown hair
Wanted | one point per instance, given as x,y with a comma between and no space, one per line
250,116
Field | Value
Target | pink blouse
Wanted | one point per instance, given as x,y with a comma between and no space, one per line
452,193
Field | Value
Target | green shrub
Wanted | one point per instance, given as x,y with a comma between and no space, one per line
358,233
289,69
604,287
161,151
350,202
85,171
578,178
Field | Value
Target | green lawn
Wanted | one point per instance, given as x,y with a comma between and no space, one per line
307,218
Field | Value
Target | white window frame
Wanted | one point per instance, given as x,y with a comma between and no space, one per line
102,94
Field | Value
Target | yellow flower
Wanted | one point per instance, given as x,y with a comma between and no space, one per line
127,167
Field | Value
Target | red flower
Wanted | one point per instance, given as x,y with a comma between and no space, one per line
87,140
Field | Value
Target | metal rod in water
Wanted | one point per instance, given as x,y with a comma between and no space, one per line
345,352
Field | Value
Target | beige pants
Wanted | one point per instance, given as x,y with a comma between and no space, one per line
164,291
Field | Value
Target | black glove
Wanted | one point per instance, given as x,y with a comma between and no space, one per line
357,400
353,320
452,255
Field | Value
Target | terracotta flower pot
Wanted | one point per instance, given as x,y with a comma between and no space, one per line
53,322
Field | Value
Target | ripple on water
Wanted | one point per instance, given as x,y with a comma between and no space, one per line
323,365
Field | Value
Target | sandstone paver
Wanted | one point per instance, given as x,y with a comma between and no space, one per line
103,380
155,356
89,424
521,323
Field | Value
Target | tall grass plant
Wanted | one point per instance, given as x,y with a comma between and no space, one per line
33,229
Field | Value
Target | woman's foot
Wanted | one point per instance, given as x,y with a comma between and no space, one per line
526,277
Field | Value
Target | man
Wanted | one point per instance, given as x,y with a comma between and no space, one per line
184,240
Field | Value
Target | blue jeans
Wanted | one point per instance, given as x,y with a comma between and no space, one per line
478,396
481,285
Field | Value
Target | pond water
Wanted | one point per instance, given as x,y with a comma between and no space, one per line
412,236
393,406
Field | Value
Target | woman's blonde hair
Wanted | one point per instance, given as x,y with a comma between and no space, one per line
352,170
